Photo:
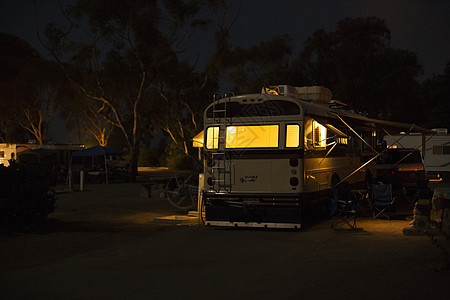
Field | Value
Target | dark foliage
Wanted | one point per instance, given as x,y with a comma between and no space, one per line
26,196
435,92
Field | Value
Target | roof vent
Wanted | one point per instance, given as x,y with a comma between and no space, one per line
336,104
316,94
440,130
283,90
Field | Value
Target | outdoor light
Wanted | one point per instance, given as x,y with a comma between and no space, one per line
319,134
342,141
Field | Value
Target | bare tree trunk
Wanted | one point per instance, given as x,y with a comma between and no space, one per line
133,167
37,130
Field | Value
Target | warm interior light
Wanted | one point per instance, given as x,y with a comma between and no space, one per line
319,134
260,136
342,141
197,141
212,137
292,135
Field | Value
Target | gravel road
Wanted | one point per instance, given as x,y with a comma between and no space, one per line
102,243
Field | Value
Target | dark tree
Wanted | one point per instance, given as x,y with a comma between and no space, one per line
265,63
358,64
129,64
435,92
32,89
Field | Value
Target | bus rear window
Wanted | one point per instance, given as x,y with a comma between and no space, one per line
260,136
212,137
292,136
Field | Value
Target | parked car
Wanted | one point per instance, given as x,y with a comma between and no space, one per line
402,167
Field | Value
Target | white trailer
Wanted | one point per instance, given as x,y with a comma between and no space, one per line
31,152
435,151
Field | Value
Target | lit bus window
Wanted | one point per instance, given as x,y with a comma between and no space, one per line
319,134
212,137
292,136
315,135
263,136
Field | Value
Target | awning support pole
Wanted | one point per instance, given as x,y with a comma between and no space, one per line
364,141
329,151
362,166
392,137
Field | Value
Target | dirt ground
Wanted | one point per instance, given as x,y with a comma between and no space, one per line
102,243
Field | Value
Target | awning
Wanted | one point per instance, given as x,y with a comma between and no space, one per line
336,131
197,141
406,126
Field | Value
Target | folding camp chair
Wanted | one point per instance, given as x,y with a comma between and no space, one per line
382,200
343,209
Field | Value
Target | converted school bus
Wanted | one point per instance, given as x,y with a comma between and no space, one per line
270,155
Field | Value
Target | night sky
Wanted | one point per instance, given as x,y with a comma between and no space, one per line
416,25
421,26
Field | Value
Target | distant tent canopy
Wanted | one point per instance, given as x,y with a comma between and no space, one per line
98,151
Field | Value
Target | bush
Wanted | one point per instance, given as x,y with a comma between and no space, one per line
148,157
175,159
26,196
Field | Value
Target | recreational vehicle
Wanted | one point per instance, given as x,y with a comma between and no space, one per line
53,154
402,167
434,148
270,155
